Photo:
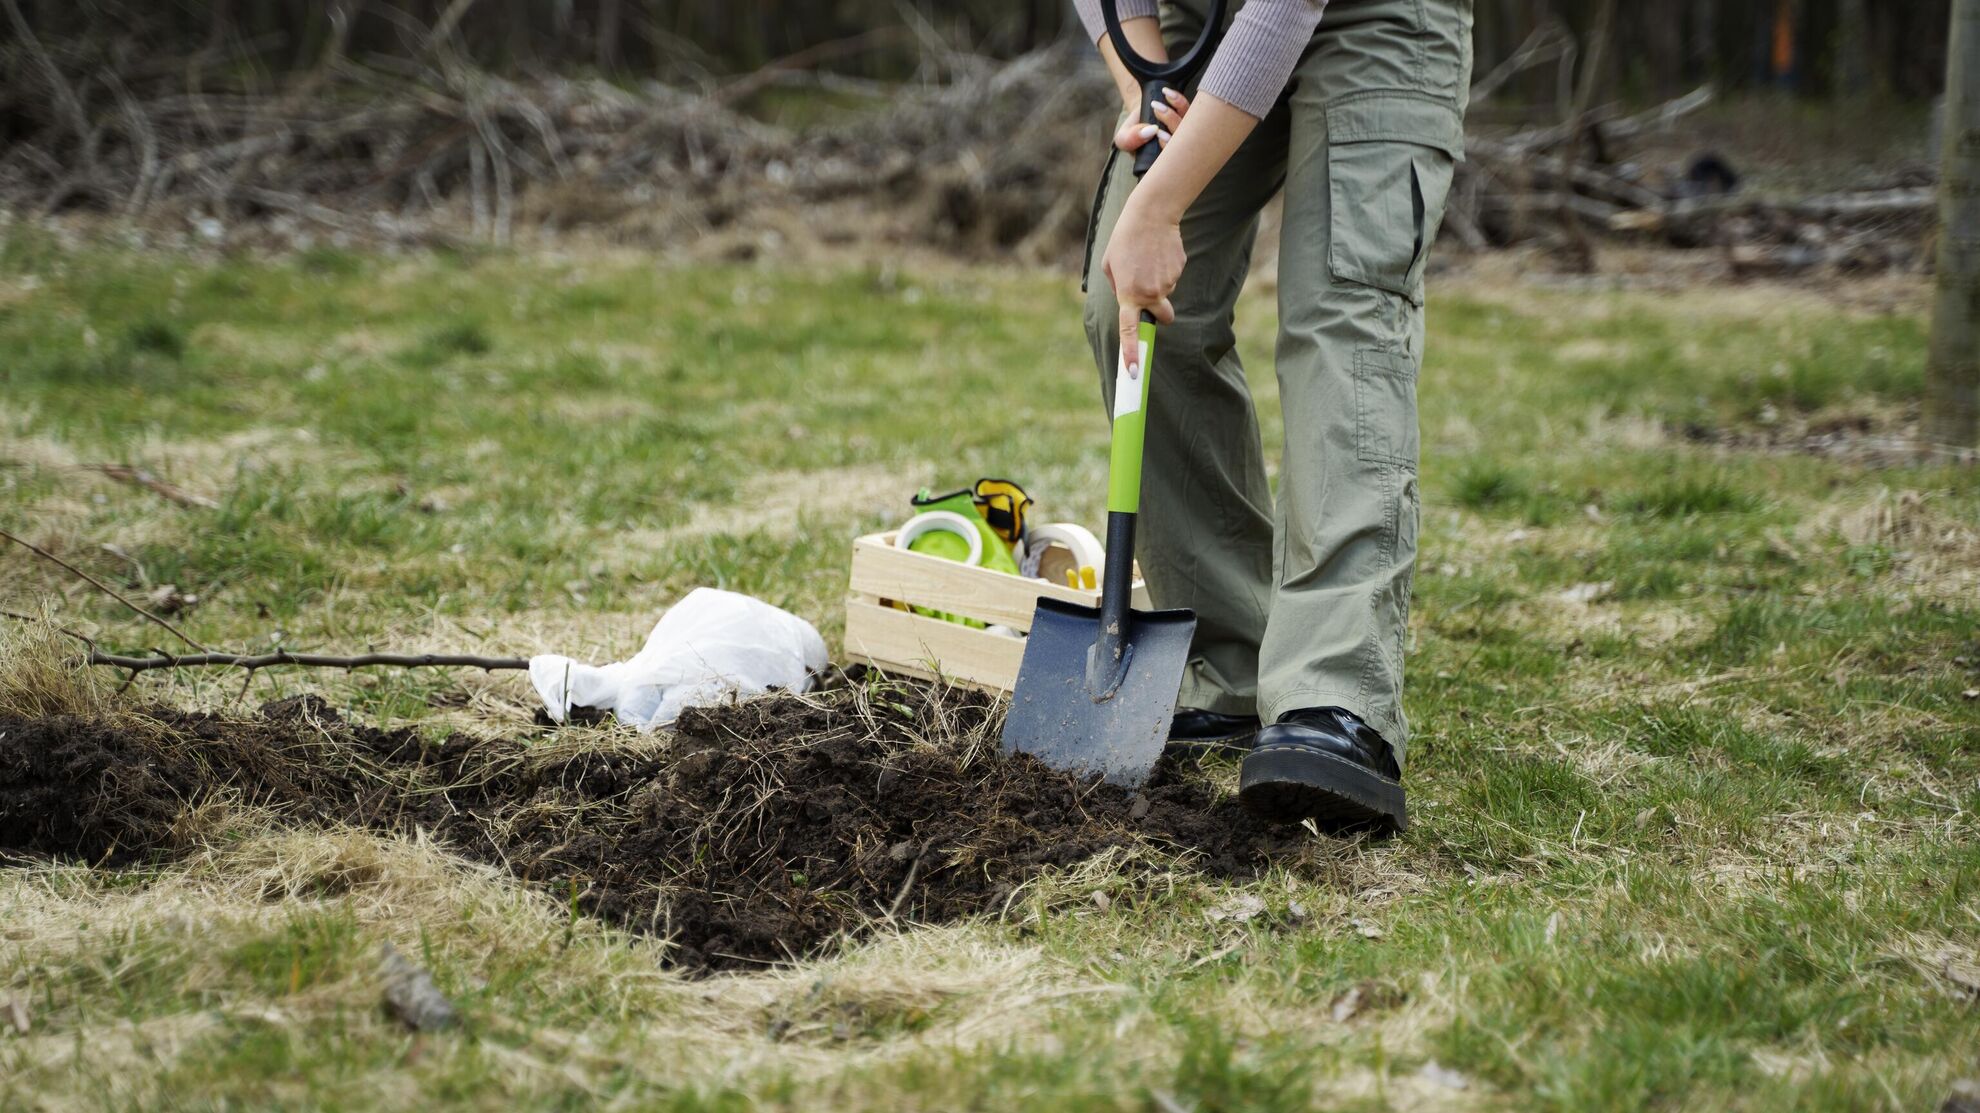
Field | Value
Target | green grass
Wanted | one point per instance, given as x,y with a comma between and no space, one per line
1694,772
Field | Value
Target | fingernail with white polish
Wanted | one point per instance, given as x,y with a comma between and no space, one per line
1149,131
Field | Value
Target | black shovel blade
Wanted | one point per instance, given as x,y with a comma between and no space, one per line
1117,731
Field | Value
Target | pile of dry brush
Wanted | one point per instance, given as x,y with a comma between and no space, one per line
974,154
1573,178
428,146
1563,184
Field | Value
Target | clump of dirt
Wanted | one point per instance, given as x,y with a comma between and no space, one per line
757,832
86,788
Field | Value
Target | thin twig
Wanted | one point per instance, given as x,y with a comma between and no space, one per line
914,868
275,199
124,473
449,19
1611,128
251,662
145,136
1547,42
101,586
1596,181
810,56
76,634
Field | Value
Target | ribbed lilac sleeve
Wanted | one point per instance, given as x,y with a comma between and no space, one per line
1257,55
1259,52
1089,14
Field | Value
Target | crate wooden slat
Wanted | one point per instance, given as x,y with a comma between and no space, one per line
881,571
915,645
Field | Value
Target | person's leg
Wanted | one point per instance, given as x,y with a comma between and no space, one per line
1376,110
1205,530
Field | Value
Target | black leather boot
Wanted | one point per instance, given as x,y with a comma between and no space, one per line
1324,764
1196,733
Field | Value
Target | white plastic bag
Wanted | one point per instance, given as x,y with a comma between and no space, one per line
709,646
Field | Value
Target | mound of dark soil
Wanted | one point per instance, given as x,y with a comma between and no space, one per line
758,832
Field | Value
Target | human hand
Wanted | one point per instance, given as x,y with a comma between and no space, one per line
1169,111
1133,134
1144,261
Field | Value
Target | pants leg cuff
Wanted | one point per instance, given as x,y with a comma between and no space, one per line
1383,720
1203,697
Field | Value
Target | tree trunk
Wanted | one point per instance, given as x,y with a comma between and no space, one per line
1853,47
1581,248
1663,34
608,35
1705,41
1952,370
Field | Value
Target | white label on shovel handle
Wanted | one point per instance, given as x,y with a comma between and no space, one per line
1128,388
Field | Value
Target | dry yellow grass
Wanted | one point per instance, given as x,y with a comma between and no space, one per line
42,671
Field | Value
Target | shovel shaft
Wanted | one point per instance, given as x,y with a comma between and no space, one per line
1110,649
1117,589
1130,422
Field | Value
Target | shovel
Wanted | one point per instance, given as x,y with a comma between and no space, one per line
1097,689
1098,686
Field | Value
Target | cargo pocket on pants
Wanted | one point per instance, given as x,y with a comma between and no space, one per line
1390,158
1385,429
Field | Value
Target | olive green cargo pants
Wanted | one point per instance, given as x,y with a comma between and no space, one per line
1305,605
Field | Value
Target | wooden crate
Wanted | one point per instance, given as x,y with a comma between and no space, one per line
901,641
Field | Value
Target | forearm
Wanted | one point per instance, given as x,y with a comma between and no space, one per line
1144,34
1210,134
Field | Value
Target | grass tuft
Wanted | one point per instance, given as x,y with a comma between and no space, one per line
1480,486
467,337
1689,497
157,337
43,672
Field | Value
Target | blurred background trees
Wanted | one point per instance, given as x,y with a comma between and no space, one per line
1786,135
1809,47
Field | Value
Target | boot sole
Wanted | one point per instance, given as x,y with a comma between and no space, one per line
1289,783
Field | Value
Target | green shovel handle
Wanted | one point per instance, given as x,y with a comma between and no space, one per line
1130,423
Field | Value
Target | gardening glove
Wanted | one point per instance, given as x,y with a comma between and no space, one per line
1003,505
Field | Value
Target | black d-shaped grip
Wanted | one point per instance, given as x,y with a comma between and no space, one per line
1156,77
1152,90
